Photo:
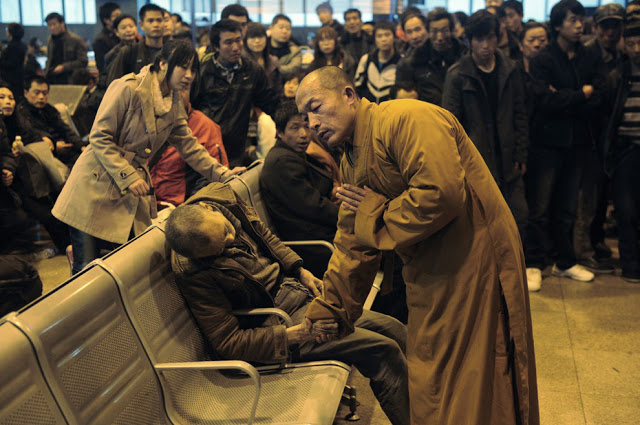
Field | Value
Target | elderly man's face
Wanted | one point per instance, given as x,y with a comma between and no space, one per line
220,231
331,113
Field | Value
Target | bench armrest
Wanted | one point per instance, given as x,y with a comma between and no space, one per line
220,365
321,243
266,312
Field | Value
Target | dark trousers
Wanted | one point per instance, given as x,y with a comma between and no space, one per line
626,200
554,182
513,193
40,209
86,248
376,347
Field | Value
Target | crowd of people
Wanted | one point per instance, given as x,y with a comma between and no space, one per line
553,111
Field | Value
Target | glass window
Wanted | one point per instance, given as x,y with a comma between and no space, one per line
73,11
35,15
90,14
47,7
9,11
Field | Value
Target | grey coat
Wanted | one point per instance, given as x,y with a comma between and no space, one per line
125,135
75,54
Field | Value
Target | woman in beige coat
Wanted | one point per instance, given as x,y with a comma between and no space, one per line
108,196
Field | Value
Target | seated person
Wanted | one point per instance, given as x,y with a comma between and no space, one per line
296,188
173,180
225,259
46,120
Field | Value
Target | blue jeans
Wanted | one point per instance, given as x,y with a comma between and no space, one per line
626,199
86,248
553,180
376,348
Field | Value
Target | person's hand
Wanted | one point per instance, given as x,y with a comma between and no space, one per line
15,151
587,90
352,196
139,187
7,178
324,330
311,282
521,166
232,172
299,333
63,147
553,89
58,69
49,141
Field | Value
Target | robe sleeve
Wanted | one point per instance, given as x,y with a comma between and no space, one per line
428,159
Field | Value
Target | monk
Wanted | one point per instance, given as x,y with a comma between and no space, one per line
414,183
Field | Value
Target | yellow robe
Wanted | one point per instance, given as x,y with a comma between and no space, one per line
470,351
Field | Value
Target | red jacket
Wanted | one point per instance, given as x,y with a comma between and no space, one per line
168,175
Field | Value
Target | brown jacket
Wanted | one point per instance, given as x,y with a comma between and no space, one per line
125,134
214,286
437,205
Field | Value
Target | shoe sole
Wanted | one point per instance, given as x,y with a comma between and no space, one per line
630,279
599,271
560,274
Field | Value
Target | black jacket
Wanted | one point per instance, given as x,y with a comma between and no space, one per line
296,189
7,160
612,147
357,46
74,56
131,58
564,116
229,104
427,69
48,122
103,43
12,61
465,96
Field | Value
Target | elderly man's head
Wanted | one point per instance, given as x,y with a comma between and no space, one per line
328,97
198,230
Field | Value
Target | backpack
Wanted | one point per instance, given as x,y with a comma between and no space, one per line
19,283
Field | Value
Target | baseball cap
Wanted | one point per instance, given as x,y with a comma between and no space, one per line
609,11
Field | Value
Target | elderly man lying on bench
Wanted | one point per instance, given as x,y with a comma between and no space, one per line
226,259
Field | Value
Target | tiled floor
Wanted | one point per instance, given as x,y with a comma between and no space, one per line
587,340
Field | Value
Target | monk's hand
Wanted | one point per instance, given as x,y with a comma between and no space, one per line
324,330
352,196
311,282
139,187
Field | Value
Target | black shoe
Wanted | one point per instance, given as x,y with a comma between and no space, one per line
631,277
598,266
602,251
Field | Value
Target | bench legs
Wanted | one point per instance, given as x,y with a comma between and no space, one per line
349,397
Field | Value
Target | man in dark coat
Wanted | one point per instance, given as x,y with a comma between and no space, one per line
226,259
568,102
355,41
428,65
45,120
485,91
231,86
12,59
66,51
134,57
106,39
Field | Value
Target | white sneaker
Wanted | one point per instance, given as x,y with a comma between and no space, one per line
576,272
534,279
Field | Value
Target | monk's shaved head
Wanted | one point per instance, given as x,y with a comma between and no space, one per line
330,78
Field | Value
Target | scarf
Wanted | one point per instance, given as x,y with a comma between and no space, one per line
161,105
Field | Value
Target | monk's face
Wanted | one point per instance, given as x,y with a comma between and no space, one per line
220,231
331,113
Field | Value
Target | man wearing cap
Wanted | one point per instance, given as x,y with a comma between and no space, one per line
608,19
593,204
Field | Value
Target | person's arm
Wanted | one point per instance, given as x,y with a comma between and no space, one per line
63,129
193,152
80,55
106,126
521,119
300,196
263,95
100,50
452,94
119,66
361,75
212,310
548,97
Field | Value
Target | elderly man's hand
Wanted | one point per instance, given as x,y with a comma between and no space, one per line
7,178
352,196
311,282
324,330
